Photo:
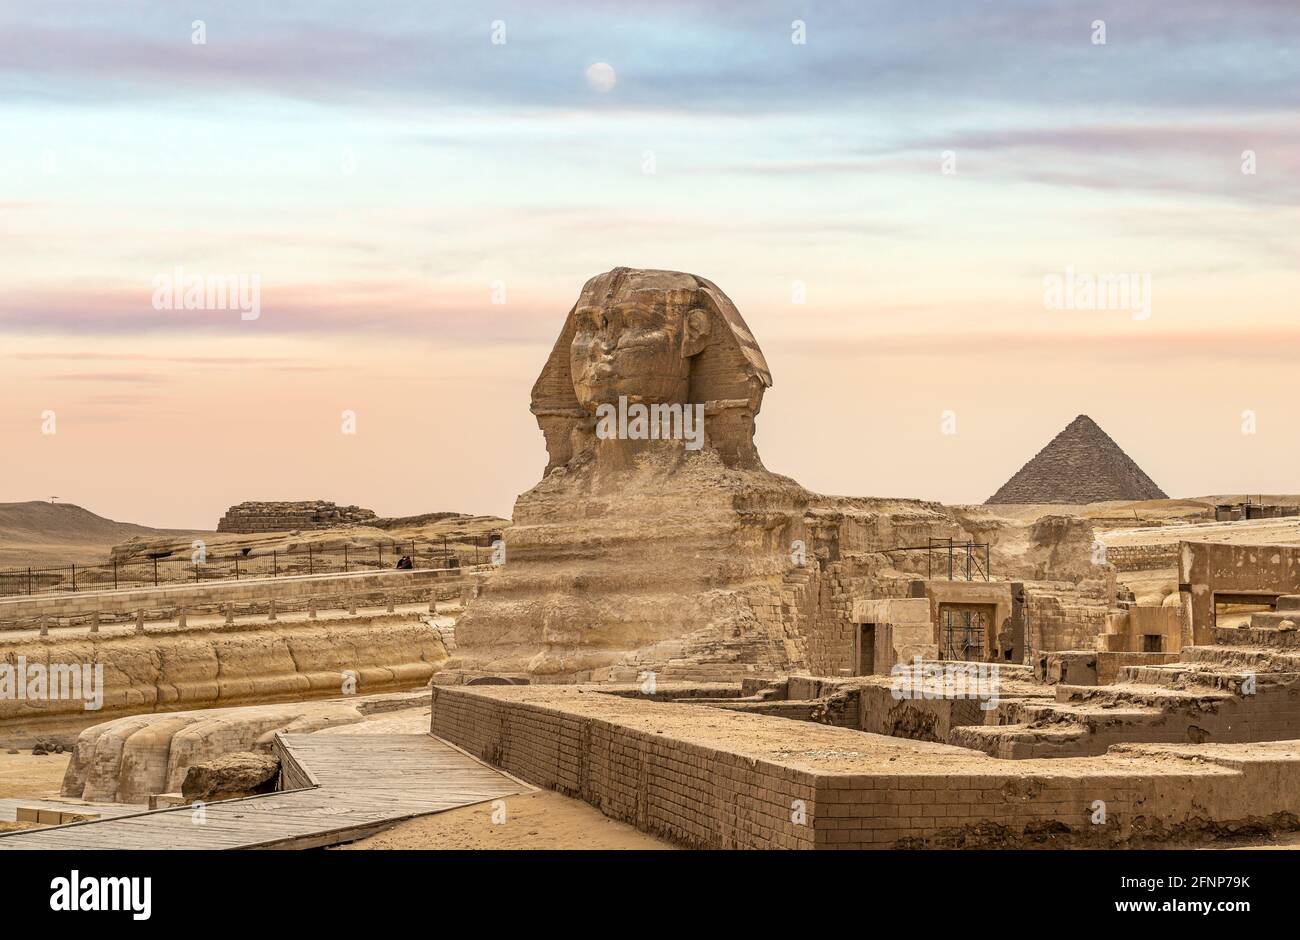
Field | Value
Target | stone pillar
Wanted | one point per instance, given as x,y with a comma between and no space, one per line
230,614
180,617
433,602
352,603
270,610
45,626
311,608
388,601
139,621
94,622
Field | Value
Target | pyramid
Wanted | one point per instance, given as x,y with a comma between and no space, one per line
1080,465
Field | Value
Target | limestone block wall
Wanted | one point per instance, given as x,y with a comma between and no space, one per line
904,629
724,779
1065,616
261,590
237,664
1127,630
830,627
1208,568
692,795
288,516
1142,557
922,719
1110,665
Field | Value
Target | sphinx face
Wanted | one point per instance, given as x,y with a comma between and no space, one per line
630,344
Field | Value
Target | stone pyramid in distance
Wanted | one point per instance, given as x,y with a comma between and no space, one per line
1080,465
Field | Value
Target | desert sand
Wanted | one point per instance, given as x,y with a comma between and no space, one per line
538,820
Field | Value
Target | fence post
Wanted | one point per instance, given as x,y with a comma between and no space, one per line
115,575
275,565
309,562
74,579
381,554
29,579
155,572
345,556
236,567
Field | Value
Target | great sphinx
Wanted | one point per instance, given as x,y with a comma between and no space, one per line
646,549
644,552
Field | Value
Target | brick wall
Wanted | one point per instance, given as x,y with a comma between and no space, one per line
723,780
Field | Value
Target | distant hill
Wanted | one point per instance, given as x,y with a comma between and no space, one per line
49,534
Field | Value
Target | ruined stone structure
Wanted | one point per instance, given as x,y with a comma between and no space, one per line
285,517
650,547
1080,465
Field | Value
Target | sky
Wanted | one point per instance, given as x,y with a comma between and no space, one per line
887,191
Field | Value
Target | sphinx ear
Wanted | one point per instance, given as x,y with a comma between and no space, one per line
696,334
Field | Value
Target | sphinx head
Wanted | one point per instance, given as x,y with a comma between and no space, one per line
654,337
634,336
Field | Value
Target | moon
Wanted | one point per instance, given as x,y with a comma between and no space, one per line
601,77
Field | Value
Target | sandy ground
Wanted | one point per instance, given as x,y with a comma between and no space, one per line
1284,531
22,775
538,820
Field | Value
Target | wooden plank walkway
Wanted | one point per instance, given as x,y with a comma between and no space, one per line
353,785
9,807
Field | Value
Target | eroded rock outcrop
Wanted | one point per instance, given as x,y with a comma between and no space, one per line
231,776
130,759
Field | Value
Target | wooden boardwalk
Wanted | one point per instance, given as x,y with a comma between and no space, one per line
348,786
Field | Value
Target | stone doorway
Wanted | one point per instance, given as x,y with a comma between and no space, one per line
866,659
964,631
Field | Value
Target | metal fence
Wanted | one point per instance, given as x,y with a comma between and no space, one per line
306,559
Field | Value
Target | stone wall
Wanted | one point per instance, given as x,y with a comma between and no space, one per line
1207,568
725,779
1066,616
286,517
18,611
1142,557
228,665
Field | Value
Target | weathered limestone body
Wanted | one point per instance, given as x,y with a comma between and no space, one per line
634,543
